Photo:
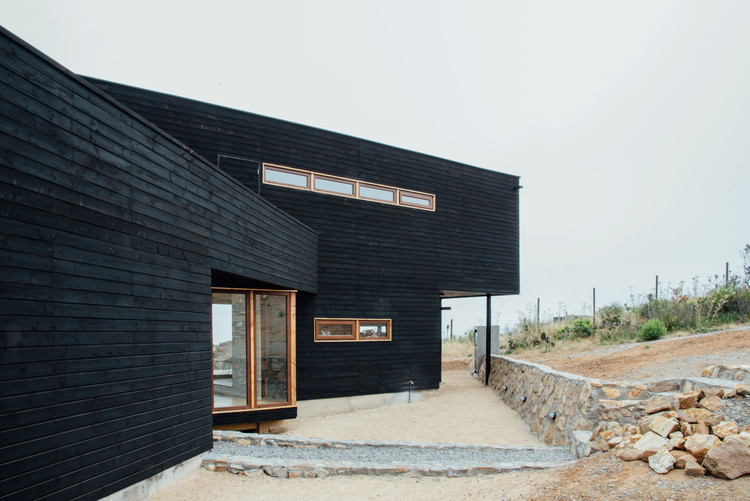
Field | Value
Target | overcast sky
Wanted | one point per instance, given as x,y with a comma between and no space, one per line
628,122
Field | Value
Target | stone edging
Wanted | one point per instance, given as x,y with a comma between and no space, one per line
306,442
281,468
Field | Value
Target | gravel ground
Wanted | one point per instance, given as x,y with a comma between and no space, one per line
404,454
737,409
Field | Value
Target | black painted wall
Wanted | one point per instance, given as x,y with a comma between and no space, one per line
109,233
375,260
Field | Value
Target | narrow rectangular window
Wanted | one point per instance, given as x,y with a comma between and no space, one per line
338,329
334,329
286,177
416,200
377,193
300,179
333,185
373,329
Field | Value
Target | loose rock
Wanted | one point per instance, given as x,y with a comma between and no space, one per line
695,415
663,426
683,459
662,461
724,429
693,469
699,444
712,403
729,460
651,441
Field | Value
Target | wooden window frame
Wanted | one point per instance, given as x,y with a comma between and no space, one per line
355,323
288,170
398,193
373,186
335,179
251,350
430,199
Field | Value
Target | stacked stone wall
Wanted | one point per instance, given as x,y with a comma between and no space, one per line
567,409
564,409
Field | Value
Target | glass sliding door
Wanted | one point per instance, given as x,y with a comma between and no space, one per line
271,333
229,318
253,363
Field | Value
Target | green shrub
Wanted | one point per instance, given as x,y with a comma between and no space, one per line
651,330
582,327
611,315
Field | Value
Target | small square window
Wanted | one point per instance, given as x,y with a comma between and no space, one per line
373,330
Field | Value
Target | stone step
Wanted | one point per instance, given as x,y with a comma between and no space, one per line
288,457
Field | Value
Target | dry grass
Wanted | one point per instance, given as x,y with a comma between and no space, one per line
457,349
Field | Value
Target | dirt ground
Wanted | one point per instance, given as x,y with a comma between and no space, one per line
465,412
668,358
597,477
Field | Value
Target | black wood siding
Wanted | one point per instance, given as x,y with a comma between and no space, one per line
375,260
109,232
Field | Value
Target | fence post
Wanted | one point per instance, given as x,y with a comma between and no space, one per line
594,308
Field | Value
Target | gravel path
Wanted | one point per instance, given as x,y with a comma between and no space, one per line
393,452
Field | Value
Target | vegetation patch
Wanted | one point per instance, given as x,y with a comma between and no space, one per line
723,302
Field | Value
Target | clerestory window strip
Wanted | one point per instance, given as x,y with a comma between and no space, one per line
300,179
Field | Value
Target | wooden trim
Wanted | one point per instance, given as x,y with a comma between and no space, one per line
252,365
292,349
430,199
355,323
252,350
336,179
374,186
289,170
356,188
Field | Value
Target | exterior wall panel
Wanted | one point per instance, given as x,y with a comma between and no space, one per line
374,260
109,233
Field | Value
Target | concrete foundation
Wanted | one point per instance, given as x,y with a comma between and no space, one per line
331,406
147,488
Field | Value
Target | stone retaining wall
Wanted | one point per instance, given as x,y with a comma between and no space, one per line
564,409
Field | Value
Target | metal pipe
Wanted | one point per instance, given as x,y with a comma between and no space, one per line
488,342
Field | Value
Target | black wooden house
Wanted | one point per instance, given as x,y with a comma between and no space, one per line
168,266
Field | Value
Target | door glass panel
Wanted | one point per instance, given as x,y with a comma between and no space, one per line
229,316
271,321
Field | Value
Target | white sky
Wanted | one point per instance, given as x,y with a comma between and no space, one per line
628,122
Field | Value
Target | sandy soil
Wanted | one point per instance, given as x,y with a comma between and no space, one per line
460,413
598,477
464,412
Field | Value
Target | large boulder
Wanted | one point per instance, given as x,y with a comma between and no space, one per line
728,460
